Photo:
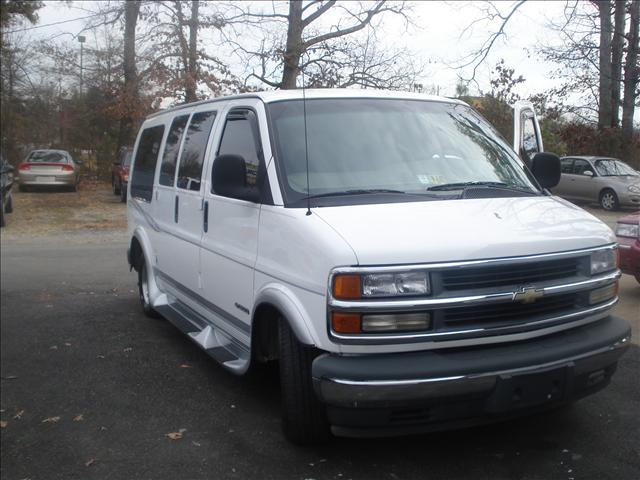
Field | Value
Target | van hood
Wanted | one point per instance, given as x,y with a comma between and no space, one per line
469,229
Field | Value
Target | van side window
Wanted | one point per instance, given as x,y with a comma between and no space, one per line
144,166
171,150
240,138
192,157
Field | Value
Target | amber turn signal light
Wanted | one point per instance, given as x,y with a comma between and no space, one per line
346,287
346,322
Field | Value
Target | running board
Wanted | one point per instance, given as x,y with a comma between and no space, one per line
232,354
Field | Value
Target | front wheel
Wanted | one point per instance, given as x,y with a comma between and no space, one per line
123,194
609,200
143,291
304,418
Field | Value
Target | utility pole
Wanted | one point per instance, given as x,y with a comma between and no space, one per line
81,39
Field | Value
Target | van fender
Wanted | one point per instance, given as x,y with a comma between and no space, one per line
156,297
285,300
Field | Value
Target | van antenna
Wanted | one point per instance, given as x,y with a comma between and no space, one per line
306,143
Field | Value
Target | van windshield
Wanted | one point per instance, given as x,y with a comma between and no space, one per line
389,146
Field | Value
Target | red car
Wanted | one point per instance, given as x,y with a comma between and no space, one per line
120,173
628,233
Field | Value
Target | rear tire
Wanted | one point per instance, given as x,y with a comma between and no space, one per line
123,195
609,200
2,221
115,186
143,291
8,207
304,418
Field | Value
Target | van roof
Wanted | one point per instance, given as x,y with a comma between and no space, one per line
312,93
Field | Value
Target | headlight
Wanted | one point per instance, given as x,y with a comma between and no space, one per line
393,284
627,230
634,188
603,260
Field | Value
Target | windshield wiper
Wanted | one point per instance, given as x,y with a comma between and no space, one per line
463,185
357,192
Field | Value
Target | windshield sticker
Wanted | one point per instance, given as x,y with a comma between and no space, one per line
431,179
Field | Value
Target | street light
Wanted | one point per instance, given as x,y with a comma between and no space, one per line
81,39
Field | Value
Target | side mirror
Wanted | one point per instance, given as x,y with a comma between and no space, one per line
588,173
229,174
546,169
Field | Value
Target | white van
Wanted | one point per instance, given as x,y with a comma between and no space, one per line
391,250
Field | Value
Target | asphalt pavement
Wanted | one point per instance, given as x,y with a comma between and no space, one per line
92,389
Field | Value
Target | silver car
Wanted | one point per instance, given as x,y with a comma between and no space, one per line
49,168
608,181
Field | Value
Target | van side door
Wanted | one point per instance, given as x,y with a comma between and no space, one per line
230,238
181,210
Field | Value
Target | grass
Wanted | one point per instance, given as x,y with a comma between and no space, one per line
42,212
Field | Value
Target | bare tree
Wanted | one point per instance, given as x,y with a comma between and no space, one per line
617,47
631,73
130,87
604,56
310,43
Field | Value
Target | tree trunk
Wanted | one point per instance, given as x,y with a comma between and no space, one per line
631,73
130,101
604,93
294,46
617,46
192,69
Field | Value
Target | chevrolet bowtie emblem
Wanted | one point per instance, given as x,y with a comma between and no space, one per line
527,295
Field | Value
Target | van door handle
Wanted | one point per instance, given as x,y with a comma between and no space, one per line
206,217
175,211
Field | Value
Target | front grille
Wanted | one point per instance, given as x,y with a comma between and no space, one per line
509,313
518,274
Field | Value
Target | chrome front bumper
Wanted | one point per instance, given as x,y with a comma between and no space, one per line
367,391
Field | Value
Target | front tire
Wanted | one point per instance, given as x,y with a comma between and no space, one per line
609,200
123,194
143,292
304,418
2,220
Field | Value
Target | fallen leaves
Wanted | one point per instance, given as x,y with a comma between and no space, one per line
185,365
128,349
175,435
51,420
89,462
78,418
3,424
9,377
18,415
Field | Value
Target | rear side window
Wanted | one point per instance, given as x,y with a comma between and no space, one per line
240,138
567,165
145,162
192,157
171,150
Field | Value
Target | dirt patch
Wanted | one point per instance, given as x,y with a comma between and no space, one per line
93,208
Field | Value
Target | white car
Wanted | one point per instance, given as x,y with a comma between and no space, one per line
390,250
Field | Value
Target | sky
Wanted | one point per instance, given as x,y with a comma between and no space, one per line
436,39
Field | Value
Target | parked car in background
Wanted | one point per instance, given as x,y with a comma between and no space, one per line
120,173
608,181
628,233
6,182
49,168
